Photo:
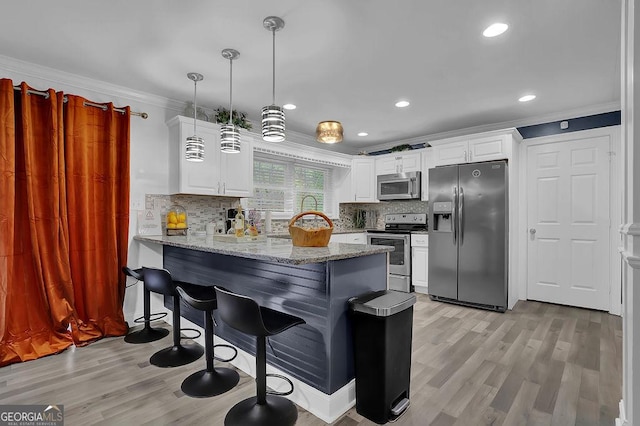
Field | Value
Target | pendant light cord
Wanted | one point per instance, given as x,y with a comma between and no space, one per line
195,106
273,95
230,90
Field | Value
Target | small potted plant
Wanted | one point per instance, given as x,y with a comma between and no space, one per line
221,116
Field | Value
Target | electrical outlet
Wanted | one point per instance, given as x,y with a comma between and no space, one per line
564,125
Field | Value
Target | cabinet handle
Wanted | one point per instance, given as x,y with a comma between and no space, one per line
224,188
465,156
469,155
218,187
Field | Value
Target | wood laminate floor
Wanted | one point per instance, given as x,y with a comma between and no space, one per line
539,364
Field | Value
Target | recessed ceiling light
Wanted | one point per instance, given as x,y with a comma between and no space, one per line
402,104
527,98
363,134
495,29
289,106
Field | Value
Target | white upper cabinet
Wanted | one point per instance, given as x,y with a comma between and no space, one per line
363,180
398,163
471,150
219,174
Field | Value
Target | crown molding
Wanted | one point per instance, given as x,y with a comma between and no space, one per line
530,121
57,77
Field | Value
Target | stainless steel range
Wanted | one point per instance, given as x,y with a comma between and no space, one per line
397,234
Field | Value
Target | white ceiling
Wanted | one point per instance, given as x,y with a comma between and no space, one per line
337,59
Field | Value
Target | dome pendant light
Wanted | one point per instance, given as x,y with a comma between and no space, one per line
273,115
229,133
329,132
194,148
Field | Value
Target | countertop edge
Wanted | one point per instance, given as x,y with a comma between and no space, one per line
301,255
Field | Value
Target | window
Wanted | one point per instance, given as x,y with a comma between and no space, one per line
280,184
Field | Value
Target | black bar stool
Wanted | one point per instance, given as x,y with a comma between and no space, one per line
159,281
210,381
147,333
245,315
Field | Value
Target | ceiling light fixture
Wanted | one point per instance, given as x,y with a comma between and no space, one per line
289,106
495,29
329,132
402,104
194,148
363,134
272,115
527,98
229,133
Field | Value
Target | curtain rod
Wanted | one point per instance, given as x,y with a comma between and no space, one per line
144,115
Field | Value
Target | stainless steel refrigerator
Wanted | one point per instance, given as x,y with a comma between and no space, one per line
468,234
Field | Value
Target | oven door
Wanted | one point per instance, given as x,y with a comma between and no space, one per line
400,258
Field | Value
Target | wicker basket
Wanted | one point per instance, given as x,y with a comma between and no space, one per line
310,237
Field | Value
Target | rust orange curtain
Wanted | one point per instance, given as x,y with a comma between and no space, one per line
64,185
97,166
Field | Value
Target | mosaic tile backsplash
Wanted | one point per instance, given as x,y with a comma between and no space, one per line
204,209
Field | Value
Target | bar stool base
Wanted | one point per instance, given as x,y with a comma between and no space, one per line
277,411
176,356
146,335
203,383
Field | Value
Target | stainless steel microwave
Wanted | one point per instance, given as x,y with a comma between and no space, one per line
399,186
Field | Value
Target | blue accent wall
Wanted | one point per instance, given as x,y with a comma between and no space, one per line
575,124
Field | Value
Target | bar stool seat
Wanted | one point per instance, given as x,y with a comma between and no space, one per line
246,316
160,281
210,381
147,334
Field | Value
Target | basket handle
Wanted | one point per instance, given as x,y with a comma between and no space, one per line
317,213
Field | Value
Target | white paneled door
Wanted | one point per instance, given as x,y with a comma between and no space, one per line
568,220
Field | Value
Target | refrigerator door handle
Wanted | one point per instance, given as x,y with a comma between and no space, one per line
461,215
454,208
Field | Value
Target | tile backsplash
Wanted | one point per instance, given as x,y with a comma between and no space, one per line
203,209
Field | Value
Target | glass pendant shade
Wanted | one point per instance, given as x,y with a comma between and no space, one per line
194,149
273,123
230,138
329,132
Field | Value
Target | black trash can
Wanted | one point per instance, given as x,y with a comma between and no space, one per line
382,327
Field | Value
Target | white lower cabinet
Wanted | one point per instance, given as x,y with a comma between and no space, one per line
352,238
420,262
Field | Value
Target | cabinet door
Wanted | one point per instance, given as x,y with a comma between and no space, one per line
359,238
420,268
189,177
363,180
338,238
450,153
236,170
487,149
410,162
386,165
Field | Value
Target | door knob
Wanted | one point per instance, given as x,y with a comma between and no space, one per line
532,231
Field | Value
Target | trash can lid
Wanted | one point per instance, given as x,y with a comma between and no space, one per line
382,303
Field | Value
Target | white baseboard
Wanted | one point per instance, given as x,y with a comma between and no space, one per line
328,408
622,420
421,289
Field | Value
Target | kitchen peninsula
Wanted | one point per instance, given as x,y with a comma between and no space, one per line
313,283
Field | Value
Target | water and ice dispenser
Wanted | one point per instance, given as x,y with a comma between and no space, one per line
442,216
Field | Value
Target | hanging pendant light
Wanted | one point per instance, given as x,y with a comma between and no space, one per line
329,132
194,148
229,133
273,115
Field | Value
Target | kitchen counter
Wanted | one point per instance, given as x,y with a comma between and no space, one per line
313,283
279,250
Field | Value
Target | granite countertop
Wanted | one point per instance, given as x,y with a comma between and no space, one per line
279,250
